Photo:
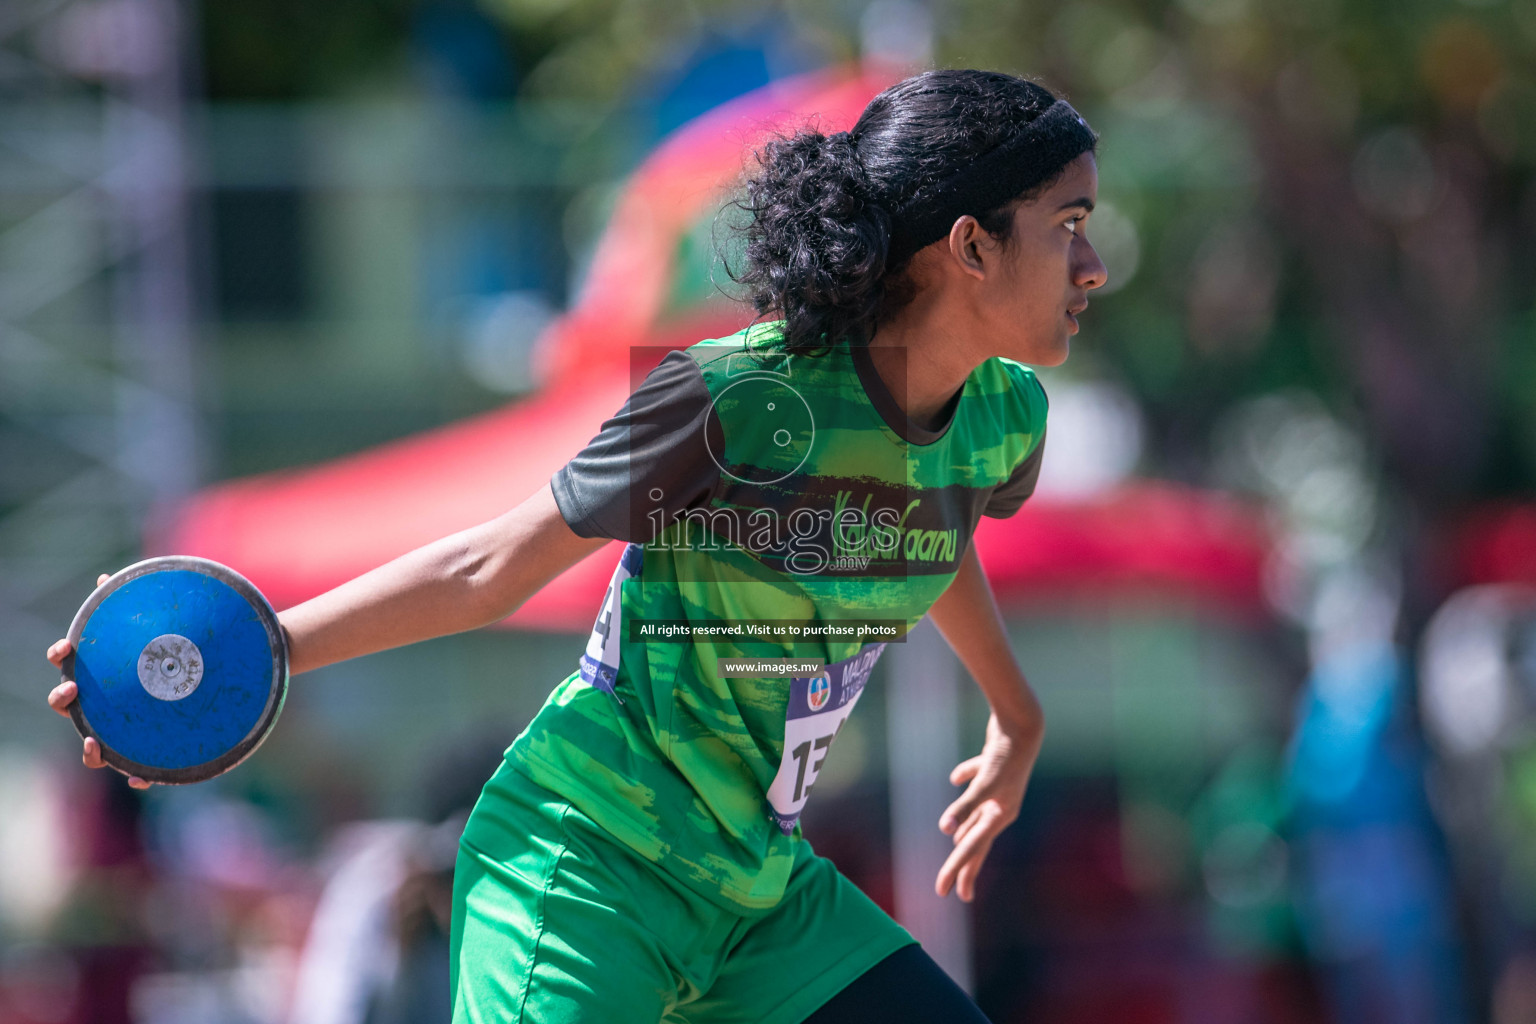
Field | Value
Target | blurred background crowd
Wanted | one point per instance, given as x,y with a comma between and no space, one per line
1277,590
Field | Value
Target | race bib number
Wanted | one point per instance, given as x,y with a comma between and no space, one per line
600,661
818,707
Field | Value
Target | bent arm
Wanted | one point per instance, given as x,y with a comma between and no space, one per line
967,616
466,580
995,779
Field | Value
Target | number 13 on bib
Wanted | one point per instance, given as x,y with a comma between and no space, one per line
818,707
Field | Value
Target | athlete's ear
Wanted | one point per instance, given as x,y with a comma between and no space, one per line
965,245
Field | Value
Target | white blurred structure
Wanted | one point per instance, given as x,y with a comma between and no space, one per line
924,743
897,32
36,866
1095,439
1476,669
351,950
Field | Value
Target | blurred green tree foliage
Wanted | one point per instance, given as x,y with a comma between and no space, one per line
1330,193
289,49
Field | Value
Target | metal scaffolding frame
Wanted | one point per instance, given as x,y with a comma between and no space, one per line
98,423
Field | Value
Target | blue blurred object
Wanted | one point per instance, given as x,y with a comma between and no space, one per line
462,51
1347,705
717,73
1374,889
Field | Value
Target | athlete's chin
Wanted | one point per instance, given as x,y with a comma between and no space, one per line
1053,354
1049,347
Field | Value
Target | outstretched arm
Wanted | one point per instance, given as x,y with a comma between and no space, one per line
466,580
967,616
469,579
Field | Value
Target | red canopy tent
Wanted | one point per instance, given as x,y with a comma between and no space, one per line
1493,543
297,533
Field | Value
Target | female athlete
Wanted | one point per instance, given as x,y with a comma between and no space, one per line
805,489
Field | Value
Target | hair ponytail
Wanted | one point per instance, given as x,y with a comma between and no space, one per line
816,243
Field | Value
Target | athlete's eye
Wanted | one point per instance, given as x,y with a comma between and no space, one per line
1074,222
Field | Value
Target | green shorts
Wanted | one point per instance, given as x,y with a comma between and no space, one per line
555,921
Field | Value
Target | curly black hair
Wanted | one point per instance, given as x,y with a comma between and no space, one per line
824,246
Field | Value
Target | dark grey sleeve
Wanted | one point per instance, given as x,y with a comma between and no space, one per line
649,462
1009,495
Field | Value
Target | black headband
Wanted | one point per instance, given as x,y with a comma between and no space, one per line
1045,145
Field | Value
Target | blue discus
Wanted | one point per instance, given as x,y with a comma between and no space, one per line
181,666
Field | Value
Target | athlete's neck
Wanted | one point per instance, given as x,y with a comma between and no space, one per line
922,360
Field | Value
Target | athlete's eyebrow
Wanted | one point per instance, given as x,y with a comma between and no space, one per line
1082,201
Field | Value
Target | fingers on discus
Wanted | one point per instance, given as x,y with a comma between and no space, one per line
58,652
92,752
62,696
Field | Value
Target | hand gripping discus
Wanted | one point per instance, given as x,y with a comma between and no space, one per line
181,666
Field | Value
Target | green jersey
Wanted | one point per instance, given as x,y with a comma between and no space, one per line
776,506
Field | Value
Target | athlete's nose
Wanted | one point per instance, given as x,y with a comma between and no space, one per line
1089,272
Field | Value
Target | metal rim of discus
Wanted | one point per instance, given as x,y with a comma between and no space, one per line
276,638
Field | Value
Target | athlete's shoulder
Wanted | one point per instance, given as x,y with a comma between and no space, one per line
756,349
712,352
1013,374
1012,385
